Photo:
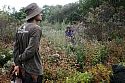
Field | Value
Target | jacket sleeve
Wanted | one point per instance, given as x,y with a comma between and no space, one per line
33,46
16,50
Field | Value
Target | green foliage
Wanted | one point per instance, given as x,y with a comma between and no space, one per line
60,13
51,13
69,12
62,73
79,77
5,55
80,56
85,5
54,32
20,15
116,3
8,25
119,40
104,22
101,55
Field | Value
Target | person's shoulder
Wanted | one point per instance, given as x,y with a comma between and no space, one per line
37,27
33,26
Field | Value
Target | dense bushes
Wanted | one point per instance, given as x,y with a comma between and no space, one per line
8,25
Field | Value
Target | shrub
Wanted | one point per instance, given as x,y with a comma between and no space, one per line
101,55
80,56
116,52
96,53
100,73
79,77
5,55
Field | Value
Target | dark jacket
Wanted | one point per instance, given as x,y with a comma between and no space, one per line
26,48
118,74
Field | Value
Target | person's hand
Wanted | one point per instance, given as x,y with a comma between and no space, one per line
16,70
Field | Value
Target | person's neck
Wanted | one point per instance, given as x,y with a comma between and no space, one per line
35,22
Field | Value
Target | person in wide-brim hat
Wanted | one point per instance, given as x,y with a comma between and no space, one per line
26,46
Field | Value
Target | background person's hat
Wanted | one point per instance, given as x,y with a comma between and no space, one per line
32,10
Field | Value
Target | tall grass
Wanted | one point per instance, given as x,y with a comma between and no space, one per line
57,37
55,33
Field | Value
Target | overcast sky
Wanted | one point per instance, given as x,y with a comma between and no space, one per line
22,3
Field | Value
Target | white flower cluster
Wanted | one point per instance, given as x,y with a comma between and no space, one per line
3,56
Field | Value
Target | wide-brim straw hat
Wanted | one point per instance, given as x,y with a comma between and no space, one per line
32,10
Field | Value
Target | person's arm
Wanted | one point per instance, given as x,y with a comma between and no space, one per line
16,50
33,45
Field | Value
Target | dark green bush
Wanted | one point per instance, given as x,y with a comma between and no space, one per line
5,55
